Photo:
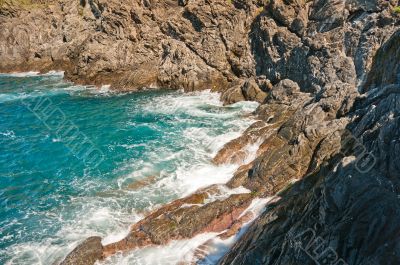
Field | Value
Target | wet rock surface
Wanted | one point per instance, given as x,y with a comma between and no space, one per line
345,208
88,252
182,219
327,136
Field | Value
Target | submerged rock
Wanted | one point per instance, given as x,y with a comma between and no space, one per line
327,140
88,252
141,183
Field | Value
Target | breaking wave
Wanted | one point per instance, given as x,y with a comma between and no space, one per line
157,147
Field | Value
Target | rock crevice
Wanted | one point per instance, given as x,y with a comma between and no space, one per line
326,75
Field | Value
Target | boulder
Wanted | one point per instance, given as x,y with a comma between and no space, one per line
232,95
86,253
252,92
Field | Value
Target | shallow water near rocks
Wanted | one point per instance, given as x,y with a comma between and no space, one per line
51,198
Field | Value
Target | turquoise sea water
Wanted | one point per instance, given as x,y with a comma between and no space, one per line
54,192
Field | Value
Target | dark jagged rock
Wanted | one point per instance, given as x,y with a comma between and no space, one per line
326,73
347,211
385,68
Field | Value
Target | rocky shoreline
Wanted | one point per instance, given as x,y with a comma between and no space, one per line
326,74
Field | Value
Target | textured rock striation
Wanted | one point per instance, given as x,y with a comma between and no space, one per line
347,211
326,74
187,45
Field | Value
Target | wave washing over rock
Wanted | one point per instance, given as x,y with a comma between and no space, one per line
157,147
319,164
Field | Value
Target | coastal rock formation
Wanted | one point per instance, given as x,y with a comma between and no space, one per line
326,74
347,212
183,219
187,45
88,252
207,210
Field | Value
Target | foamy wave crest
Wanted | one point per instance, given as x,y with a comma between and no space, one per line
32,73
103,216
172,103
199,104
204,249
10,97
21,74
194,171
216,247
37,93
171,254
189,130
8,134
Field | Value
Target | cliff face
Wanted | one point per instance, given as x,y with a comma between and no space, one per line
347,211
327,74
131,45
339,141
243,46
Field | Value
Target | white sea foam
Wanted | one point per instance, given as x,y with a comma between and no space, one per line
192,173
74,88
199,176
251,151
55,73
56,85
19,96
20,74
33,73
224,193
171,104
217,247
115,237
110,213
174,252
7,97
10,97
205,249
8,134
104,89
106,217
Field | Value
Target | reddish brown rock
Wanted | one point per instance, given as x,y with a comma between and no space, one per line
237,225
182,219
138,184
88,252
308,56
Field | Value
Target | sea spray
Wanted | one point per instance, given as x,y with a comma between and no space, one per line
50,202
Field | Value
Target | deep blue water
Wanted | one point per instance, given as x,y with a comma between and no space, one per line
69,153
